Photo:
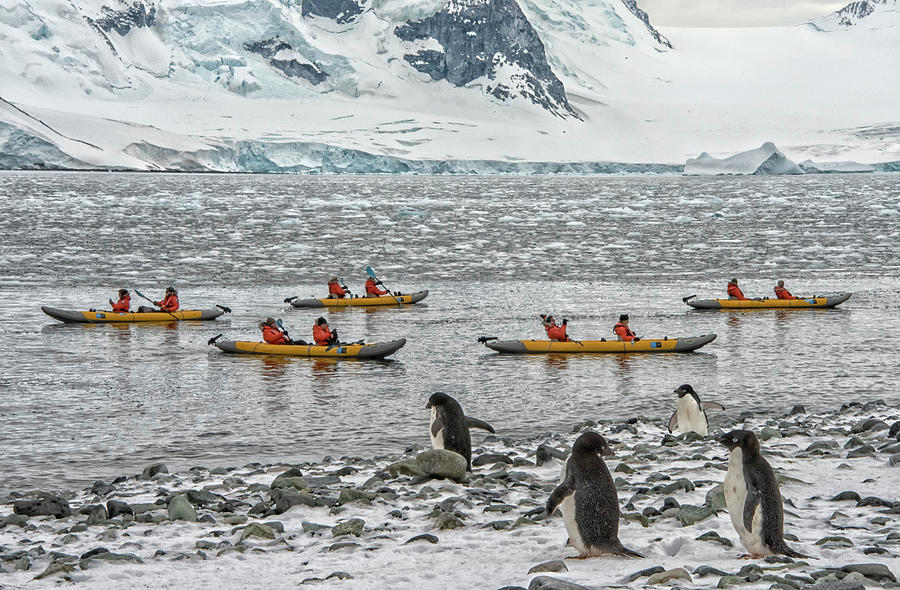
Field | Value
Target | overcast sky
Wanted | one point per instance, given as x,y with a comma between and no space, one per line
724,13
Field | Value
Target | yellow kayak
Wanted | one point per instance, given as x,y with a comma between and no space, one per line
376,350
643,345
823,302
111,317
402,299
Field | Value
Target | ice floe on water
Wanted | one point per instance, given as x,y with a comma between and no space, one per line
379,522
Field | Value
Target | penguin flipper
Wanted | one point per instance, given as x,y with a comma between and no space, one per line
476,423
562,491
673,421
437,425
751,505
712,406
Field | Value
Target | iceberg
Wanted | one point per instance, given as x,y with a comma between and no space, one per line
766,160
810,167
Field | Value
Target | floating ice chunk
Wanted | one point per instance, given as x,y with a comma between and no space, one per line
810,167
764,160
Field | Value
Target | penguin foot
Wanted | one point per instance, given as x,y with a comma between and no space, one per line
579,556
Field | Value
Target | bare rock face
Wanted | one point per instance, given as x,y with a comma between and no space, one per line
491,40
340,11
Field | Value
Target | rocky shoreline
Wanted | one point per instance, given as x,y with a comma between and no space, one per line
418,520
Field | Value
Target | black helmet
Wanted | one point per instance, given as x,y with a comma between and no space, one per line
623,317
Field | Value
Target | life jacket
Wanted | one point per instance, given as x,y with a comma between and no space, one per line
273,335
122,305
783,293
170,303
735,291
322,335
555,332
623,332
372,288
336,290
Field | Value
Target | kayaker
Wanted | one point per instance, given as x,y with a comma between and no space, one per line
781,292
124,302
271,333
555,332
372,289
622,331
169,301
322,334
335,289
734,292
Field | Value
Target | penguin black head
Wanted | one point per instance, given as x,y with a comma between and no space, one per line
743,439
440,399
685,390
591,442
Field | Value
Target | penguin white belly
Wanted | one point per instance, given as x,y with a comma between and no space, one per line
568,511
437,438
691,417
735,496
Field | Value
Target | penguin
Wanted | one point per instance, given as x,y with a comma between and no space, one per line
588,499
450,426
753,498
690,415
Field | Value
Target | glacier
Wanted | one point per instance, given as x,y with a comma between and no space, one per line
766,160
513,86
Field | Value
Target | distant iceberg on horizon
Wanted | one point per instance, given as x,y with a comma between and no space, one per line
766,160
810,167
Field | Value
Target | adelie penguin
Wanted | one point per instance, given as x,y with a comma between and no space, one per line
753,498
690,415
589,502
450,426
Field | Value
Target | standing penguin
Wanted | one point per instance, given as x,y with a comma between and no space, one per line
690,415
753,498
589,502
450,426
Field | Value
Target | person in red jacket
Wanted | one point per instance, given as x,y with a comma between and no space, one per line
555,332
372,289
781,292
272,335
734,292
322,334
335,289
622,330
169,302
124,302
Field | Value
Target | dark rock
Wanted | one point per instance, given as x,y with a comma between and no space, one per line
847,495
98,515
894,430
875,501
708,570
202,497
555,566
101,489
545,453
285,498
268,48
645,573
863,451
122,21
151,470
425,537
822,445
714,537
354,527
669,502
835,586
853,442
689,515
797,409
116,508
49,505
340,11
668,575
472,35
490,459
93,552
874,571
548,583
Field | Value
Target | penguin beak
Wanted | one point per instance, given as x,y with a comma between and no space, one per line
607,452
428,406
722,439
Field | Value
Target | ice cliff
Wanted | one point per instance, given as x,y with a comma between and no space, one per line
766,160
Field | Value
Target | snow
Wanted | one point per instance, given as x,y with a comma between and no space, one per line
766,159
809,166
191,80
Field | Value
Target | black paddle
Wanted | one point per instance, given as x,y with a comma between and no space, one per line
371,273
289,299
485,339
224,308
688,298
177,319
212,340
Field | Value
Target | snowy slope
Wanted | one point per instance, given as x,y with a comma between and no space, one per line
274,85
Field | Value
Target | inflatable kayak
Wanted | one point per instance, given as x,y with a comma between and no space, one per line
815,302
376,350
110,317
643,345
401,299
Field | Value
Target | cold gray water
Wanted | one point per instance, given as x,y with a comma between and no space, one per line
86,402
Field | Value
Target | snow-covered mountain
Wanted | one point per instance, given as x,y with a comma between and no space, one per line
878,14
423,86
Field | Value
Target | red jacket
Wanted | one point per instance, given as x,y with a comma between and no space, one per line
783,293
555,332
623,332
170,303
372,288
122,305
336,290
273,335
735,291
322,335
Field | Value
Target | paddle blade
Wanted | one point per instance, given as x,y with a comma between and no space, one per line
212,340
278,322
483,339
370,272
688,298
142,295
289,299
224,308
